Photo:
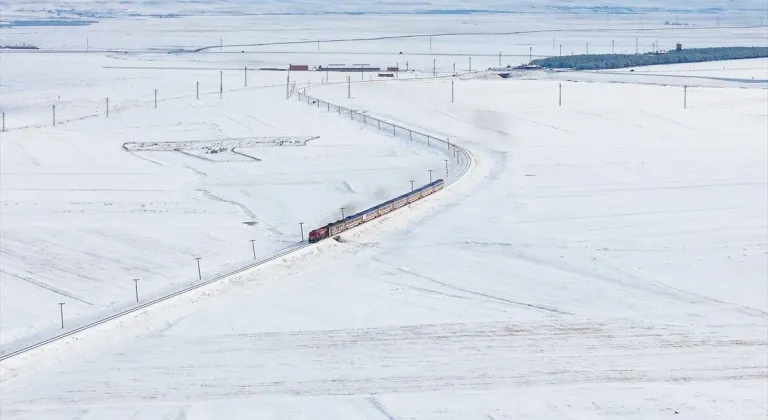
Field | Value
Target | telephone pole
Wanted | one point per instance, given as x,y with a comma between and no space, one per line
61,311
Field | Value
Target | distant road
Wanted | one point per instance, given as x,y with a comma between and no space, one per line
444,34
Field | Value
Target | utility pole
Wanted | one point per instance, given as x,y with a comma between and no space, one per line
446,168
245,74
685,97
221,84
53,107
560,95
155,98
430,43
530,53
561,50
587,47
430,176
197,90
434,68
454,69
499,58
87,44
342,212
3,128
253,248
107,107
61,311
411,185
199,273
451,91
301,226
287,85
136,283
349,87
470,63
613,46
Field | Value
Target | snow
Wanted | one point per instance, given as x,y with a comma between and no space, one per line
85,212
606,258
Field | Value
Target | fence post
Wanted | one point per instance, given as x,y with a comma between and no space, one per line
410,134
394,131
155,98
61,310
379,121
428,144
107,107
53,107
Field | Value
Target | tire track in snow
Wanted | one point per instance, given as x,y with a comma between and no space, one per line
209,195
380,408
486,295
47,287
254,218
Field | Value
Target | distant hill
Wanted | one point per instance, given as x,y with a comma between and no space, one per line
616,61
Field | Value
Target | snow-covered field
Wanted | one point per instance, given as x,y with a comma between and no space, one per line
607,258
82,216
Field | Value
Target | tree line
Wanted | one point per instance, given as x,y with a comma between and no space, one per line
616,61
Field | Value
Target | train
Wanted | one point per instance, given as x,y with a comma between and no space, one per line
335,228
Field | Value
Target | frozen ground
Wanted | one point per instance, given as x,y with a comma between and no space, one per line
82,216
604,259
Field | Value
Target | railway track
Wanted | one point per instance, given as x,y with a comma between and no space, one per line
7,354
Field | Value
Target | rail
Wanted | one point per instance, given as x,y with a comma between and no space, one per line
462,156
150,303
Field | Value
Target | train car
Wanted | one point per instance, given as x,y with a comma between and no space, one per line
335,228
